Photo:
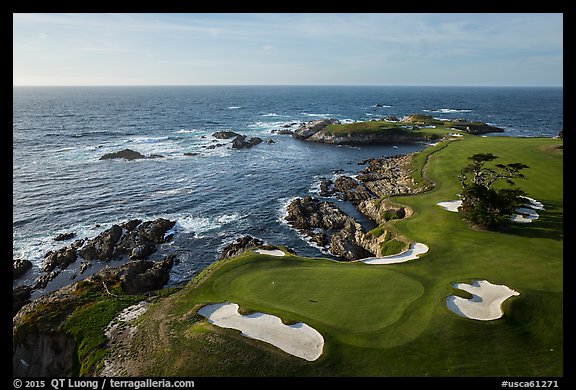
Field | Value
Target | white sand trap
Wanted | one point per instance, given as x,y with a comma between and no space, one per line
273,252
486,302
409,254
451,205
533,203
299,339
524,215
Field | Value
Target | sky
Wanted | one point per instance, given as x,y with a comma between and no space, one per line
451,49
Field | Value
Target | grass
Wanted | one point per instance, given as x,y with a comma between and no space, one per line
384,127
390,320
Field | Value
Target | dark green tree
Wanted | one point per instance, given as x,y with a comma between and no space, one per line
482,204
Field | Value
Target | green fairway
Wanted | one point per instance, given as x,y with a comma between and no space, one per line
392,320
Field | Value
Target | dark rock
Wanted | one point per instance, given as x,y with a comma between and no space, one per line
154,231
156,156
127,154
84,265
351,190
44,354
392,118
344,234
64,236
191,154
62,258
225,134
142,251
131,225
43,280
343,244
285,132
143,276
241,245
19,267
102,246
240,142
270,141
255,140
319,239
20,297
326,188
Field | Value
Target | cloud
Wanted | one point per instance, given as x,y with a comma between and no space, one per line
43,36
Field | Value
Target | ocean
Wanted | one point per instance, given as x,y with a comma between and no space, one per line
215,193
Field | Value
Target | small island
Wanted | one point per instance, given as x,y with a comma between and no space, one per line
412,128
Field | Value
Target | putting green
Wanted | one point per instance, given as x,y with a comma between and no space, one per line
353,301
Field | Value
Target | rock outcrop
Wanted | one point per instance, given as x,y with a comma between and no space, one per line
239,246
383,210
326,225
19,267
126,154
308,129
225,134
242,142
135,239
40,345
20,297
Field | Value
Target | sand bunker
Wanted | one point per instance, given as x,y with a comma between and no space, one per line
528,213
273,252
533,203
299,339
486,302
525,214
409,254
451,205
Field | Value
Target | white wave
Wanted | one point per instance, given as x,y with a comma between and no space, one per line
234,107
272,114
448,110
197,224
185,131
317,115
148,140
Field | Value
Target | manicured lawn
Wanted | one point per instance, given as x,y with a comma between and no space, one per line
392,320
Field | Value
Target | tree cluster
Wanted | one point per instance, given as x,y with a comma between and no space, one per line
483,204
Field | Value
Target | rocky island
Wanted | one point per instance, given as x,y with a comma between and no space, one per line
412,128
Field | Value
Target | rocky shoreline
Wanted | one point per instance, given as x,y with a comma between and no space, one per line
44,347
134,240
330,228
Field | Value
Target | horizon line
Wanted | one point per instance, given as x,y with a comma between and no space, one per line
296,85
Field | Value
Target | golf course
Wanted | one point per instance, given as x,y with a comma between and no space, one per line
388,319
